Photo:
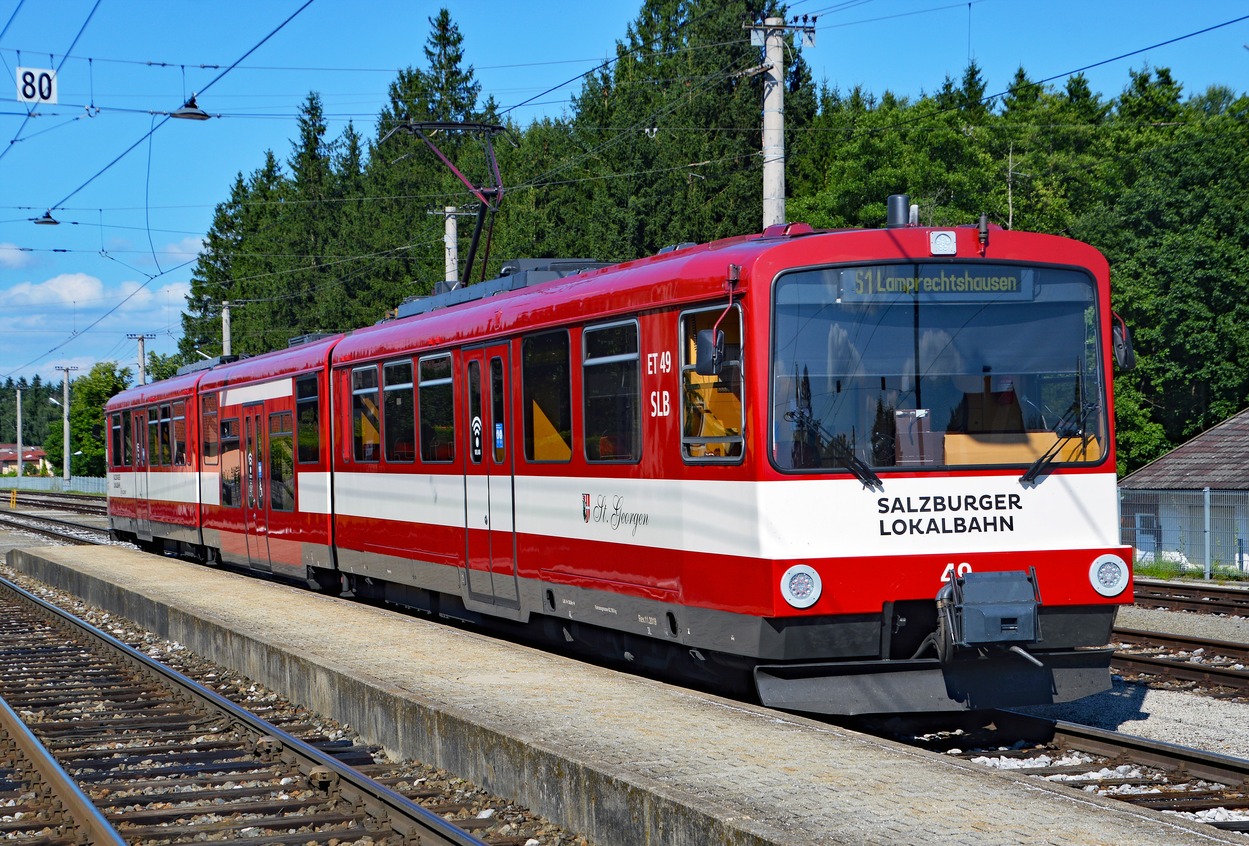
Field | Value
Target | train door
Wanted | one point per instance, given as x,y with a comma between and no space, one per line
255,513
488,488
142,507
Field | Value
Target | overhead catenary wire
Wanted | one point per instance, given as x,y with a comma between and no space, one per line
167,117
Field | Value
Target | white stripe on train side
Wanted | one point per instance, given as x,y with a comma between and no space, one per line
257,393
790,519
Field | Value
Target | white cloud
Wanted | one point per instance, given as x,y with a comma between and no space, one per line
12,256
64,289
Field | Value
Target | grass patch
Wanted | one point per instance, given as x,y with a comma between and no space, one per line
1180,570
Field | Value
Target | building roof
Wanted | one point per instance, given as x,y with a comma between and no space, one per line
8,452
1218,458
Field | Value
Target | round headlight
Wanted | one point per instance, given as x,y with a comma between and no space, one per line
800,585
1109,575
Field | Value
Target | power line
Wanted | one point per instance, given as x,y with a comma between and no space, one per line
167,118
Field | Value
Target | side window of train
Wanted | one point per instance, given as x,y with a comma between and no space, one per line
498,410
610,378
399,411
437,409
712,407
179,434
281,462
138,433
308,419
153,436
476,435
366,434
546,383
231,464
209,434
117,457
166,438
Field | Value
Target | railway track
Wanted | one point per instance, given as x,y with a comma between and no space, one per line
66,531
1146,773
1196,598
76,503
1203,660
165,760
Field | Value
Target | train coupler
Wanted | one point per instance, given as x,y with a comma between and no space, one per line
986,610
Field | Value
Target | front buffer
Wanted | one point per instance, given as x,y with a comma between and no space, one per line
987,652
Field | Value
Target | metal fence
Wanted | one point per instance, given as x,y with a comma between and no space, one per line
1202,530
77,484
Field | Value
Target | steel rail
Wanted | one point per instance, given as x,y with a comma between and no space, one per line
1197,598
58,501
1181,668
20,523
1167,640
1169,757
77,813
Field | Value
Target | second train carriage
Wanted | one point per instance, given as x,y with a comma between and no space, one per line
873,468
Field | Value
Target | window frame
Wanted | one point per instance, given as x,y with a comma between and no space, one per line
389,444
587,362
153,436
358,444
166,434
128,453
231,433
305,425
736,384
210,446
281,494
528,375
115,453
429,450
177,447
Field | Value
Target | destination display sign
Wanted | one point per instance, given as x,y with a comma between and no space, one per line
938,282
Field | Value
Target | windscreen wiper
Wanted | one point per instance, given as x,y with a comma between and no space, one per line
839,451
1066,429
856,465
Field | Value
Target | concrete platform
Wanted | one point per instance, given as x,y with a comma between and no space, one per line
620,759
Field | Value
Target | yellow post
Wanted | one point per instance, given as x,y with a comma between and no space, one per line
13,500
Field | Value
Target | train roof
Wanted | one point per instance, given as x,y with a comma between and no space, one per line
687,274
217,373
175,387
683,274
290,361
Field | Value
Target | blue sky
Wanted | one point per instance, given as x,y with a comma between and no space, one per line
120,261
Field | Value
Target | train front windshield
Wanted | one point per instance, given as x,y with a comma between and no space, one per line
913,366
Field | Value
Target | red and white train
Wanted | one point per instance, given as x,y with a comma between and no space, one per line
866,471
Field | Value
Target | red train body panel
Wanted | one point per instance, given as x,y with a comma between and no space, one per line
873,469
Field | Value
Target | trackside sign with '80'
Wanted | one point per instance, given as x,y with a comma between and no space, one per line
36,85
